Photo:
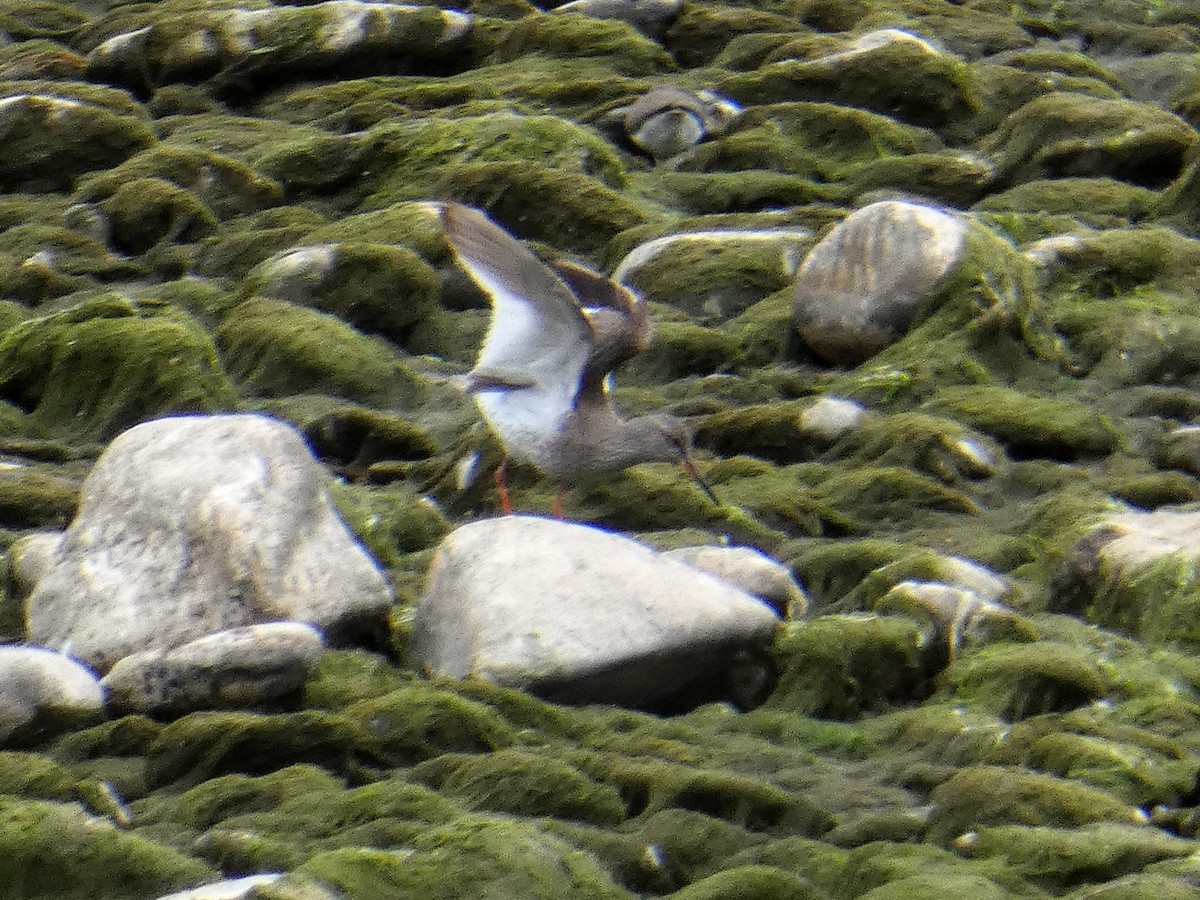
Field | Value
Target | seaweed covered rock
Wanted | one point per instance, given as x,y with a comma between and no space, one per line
155,360
863,285
42,692
162,553
273,43
579,615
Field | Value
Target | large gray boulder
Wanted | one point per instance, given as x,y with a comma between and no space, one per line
576,614
861,287
42,692
191,525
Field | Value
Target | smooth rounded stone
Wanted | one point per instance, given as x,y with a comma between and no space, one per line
750,570
1136,540
972,576
229,889
668,121
882,37
579,615
316,37
831,418
860,288
728,270
651,17
192,525
235,668
42,690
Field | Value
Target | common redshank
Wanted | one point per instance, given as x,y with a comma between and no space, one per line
541,380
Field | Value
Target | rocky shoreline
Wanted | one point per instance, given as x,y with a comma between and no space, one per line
923,279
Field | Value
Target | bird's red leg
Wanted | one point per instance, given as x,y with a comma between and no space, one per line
560,502
502,487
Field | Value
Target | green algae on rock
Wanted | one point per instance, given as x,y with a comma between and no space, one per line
153,361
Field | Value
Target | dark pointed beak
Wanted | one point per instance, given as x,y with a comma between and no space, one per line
689,466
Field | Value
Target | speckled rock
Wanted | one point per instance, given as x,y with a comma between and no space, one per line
578,614
42,692
239,667
861,287
668,121
162,554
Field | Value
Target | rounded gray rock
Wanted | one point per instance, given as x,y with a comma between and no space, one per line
861,287
38,684
196,524
577,614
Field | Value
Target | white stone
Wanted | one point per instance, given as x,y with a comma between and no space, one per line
34,681
196,524
236,668
860,288
230,889
750,570
831,418
577,614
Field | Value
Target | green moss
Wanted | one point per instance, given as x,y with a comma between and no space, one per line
421,721
225,186
1060,858
378,289
1159,603
60,130
980,796
201,746
391,521
938,887
57,851
751,883
1017,681
951,177
275,349
1066,134
678,350
732,192
770,431
524,784
505,860
624,50
899,79
30,499
1029,425
840,667
248,240
34,777
149,212
227,796
883,867
701,33
1098,201
94,370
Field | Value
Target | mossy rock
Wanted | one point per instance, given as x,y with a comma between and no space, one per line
201,746
1057,859
523,784
104,365
1099,201
31,499
715,193
701,34
761,330
976,797
952,177
248,240
762,147
1030,426
679,350
900,79
1140,886
145,213
1158,603
57,132
228,796
507,860
884,868
623,48
223,185
275,349
1069,135
391,521
751,883
420,721
56,850
33,777
344,677
383,290
841,667
772,431
1017,681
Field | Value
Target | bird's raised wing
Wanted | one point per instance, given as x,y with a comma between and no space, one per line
539,338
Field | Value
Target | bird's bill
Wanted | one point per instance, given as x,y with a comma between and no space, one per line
689,466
